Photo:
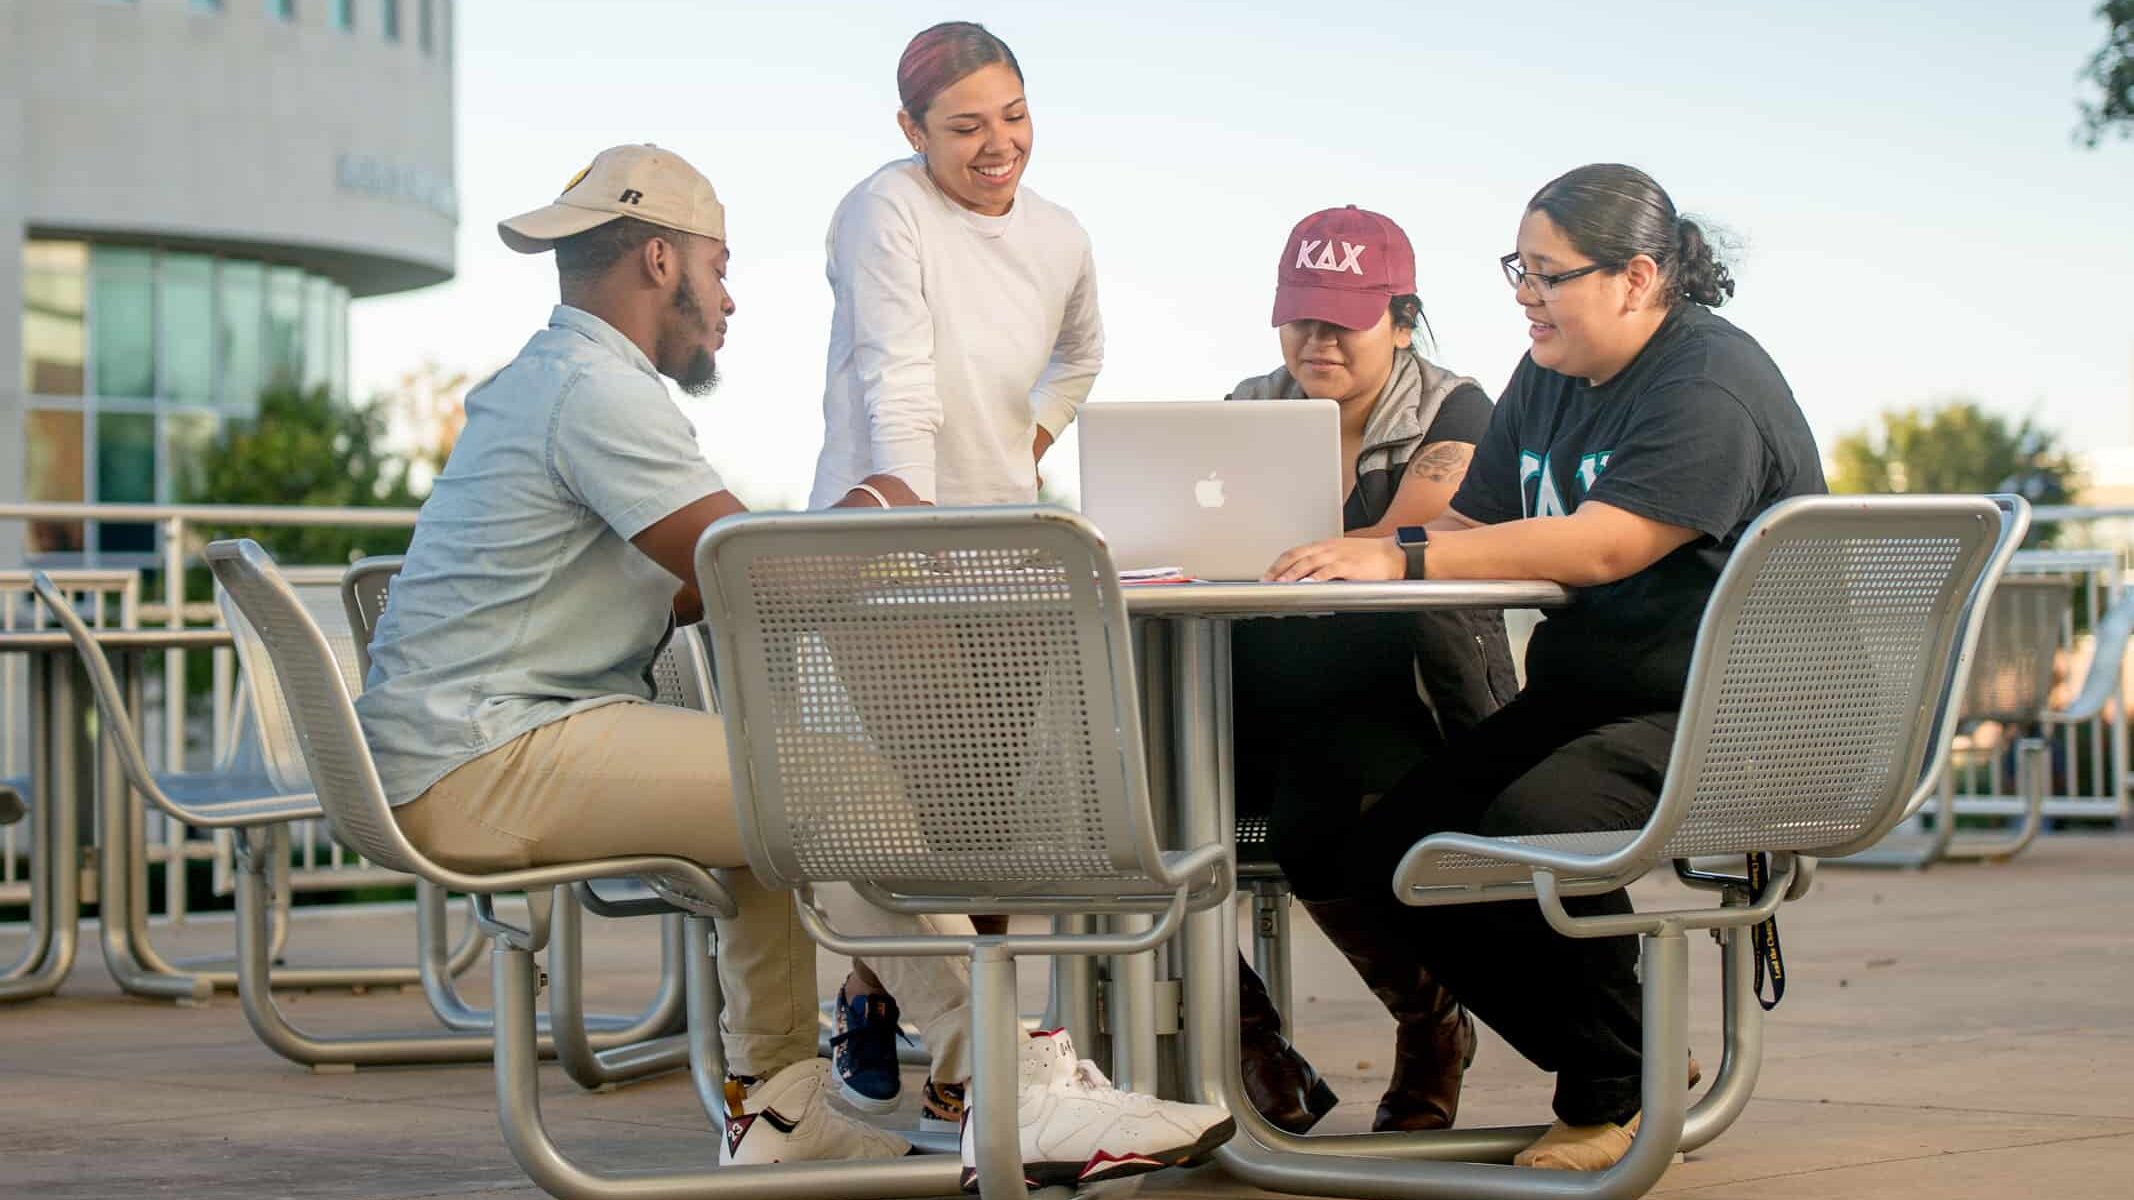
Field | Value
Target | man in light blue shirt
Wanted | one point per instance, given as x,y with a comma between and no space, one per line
507,704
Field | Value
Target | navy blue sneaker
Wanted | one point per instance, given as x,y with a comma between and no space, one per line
863,1051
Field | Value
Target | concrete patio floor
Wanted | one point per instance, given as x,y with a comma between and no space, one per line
1963,1032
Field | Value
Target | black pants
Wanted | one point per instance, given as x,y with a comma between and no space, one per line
1539,765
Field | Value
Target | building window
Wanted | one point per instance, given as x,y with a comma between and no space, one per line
54,340
391,19
134,357
57,472
185,315
212,6
282,10
122,312
343,14
427,30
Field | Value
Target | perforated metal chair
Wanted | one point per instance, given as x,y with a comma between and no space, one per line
1815,705
597,1049
938,707
349,790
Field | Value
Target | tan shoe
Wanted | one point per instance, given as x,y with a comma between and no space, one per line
1579,1147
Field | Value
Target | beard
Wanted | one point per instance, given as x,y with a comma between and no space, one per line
698,373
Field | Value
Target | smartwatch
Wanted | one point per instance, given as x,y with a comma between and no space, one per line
1413,540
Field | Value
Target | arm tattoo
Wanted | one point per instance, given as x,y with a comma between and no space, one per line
1442,462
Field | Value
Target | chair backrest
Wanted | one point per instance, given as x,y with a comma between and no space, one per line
1837,623
318,590
2012,670
681,674
300,658
929,694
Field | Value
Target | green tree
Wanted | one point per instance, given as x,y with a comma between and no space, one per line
2111,69
306,449
1955,446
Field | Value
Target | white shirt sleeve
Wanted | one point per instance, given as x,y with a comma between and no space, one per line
1077,355
875,249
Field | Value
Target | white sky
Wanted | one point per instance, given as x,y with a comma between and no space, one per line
1916,220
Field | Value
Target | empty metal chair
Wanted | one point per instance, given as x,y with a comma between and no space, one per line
1826,656
938,707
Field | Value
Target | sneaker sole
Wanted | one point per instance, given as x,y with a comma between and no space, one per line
872,1106
1072,1174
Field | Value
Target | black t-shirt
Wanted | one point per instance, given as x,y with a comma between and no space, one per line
1463,417
1699,431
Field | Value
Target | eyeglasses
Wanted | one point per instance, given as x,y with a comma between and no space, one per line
1515,273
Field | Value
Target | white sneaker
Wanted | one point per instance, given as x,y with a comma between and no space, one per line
787,1119
1078,1129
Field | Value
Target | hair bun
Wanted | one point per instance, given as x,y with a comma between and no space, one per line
1703,278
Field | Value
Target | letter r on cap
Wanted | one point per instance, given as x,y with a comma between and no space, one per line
630,196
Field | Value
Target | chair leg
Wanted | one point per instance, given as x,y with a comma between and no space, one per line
255,991
1741,1057
1270,947
2033,768
994,1060
707,1049
56,833
597,1062
518,1102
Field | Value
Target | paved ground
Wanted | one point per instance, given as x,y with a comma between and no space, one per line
1965,1032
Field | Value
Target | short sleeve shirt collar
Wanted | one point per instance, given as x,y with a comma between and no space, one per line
602,334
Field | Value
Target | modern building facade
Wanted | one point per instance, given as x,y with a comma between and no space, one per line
192,192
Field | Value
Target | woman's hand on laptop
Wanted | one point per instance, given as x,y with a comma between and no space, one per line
1364,558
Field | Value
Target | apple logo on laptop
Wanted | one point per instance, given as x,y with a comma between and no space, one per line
1208,493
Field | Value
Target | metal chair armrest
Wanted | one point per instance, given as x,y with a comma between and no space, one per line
2102,682
618,907
1160,931
1633,858
1627,924
686,884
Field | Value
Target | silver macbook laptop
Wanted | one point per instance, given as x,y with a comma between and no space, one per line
1217,488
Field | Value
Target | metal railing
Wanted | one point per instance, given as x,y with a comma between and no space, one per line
324,864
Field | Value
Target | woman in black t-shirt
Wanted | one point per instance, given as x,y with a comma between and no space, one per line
1329,709
1636,441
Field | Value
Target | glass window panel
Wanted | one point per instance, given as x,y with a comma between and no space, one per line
185,307
239,313
54,287
282,10
285,326
428,29
392,19
53,441
318,315
122,310
343,13
188,437
126,474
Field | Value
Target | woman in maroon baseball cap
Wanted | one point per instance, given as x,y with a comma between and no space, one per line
1329,710
1637,440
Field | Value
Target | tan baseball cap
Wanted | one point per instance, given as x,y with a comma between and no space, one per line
645,182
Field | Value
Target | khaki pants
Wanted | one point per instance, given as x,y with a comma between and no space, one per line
633,778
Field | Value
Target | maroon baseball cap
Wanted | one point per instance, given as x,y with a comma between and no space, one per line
1343,266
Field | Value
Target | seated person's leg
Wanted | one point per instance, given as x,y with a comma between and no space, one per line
632,778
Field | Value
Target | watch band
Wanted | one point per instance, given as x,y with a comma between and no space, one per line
1414,541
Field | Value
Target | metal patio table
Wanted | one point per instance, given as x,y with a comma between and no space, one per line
1183,657
57,814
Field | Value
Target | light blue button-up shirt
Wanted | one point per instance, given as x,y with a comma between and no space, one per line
522,600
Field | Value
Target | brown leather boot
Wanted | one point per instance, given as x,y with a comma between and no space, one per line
1281,1084
1436,1038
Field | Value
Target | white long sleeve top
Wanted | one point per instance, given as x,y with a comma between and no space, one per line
955,337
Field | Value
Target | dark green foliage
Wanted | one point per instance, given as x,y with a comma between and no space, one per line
305,449
2111,70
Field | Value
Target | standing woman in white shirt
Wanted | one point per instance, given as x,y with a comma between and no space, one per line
964,339
966,333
